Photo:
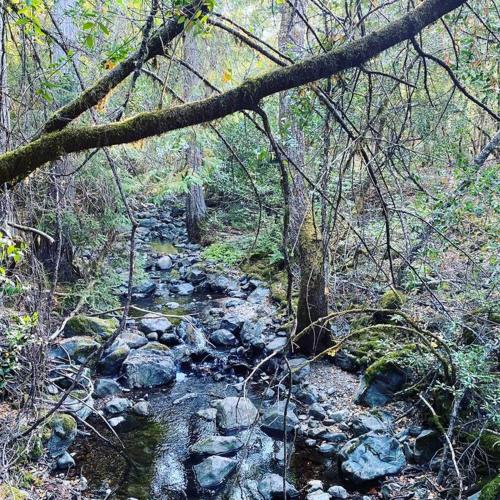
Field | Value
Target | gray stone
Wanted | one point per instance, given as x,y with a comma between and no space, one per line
318,495
152,337
314,485
105,387
182,288
277,344
271,487
334,437
274,419
79,404
380,388
235,413
62,431
259,295
251,334
220,284
371,422
65,461
213,471
338,492
149,368
328,449
170,339
427,443
133,340
116,421
153,323
339,416
232,322
302,366
224,338
118,405
164,263
142,408
207,414
307,396
317,411
217,445
77,349
371,456
111,363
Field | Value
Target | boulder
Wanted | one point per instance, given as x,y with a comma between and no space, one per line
217,445
259,295
221,284
133,339
105,387
338,492
232,322
170,339
164,263
195,275
235,414
111,363
377,421
427,443
90,326
78,403
213,471
59,434
371,456
251,334
317,411
141,408
149,368
223,338
144,289
77,349
118,405
65,461
271,487
300,368
274,420
153,323
276,344
378,388
182,288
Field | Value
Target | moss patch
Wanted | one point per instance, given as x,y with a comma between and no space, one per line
396,359
392,300
8,492
98,328
491,491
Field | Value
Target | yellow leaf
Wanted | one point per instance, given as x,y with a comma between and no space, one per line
227,76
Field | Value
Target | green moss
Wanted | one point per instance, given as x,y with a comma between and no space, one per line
155,346
61,424
392,300
8,492
98,328
490,443
491,491
398,359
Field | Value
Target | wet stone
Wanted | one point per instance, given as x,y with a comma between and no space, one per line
213,471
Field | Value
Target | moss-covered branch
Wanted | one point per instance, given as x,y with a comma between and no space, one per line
19,163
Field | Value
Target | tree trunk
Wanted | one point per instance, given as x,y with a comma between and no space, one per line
6,212
303,236
196,209
313,303
57,257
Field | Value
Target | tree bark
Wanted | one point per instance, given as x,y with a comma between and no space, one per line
196,209
17,164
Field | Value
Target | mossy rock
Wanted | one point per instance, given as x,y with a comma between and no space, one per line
59,433
98,328
392,299
494,314
492,490
8,492
396,359
279,287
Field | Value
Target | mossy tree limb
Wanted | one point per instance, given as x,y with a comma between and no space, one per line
17,164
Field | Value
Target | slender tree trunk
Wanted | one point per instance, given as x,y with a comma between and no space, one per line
6,212
196,209
304,236
58,257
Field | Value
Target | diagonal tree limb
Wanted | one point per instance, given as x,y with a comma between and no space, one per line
20,162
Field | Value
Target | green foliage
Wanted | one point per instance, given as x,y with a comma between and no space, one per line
15,339
11,254
225,253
